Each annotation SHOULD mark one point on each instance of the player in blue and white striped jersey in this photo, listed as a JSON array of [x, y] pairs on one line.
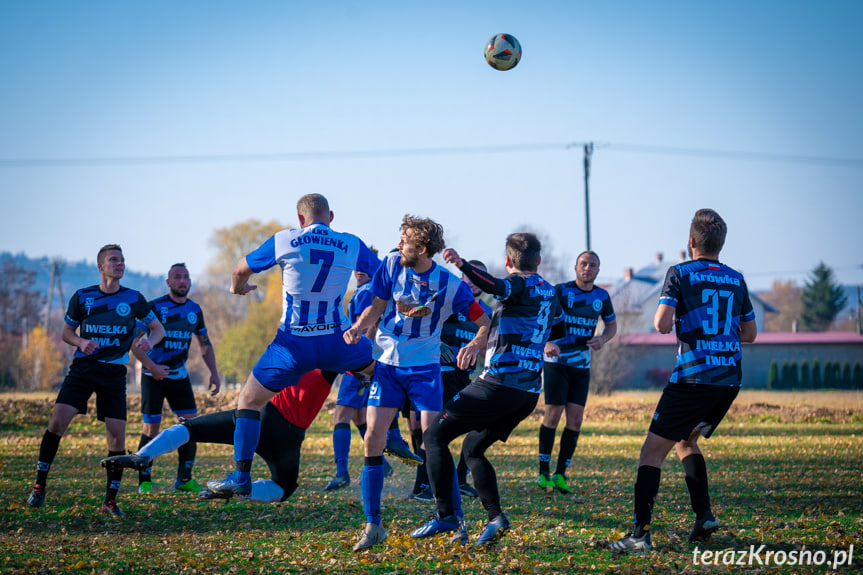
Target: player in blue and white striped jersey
[[708, 304], [413, 298], [317, 263]]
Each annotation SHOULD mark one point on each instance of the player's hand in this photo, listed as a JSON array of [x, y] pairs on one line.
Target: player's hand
[[595, 343], [243, 289], [551, 349], [466, 358], [447, 356], [451, 256], [88, 346], [215, 384], [159, 372], [352, 335], [143, 343]]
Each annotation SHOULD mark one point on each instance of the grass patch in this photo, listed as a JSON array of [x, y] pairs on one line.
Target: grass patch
[[785, 471]]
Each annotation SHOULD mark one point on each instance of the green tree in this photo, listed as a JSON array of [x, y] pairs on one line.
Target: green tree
[[822, 300], [793, 375], [785, 376], [805, 375], [244, 341], [846, 375], [817, 381], [830, 375], [773, 376], [240, 327], [858, 375]]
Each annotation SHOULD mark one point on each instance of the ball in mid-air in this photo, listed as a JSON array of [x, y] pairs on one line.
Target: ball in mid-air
[[502, 52]]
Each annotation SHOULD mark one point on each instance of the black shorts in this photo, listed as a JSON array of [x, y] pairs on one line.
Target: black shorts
[[453, 382], [488, 407], [564, 384], [279, 445], [683, 408], [106, 380], [178, 392]]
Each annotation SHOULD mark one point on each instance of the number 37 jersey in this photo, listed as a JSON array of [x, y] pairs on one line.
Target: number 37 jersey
[[317, 263], [710, 301]]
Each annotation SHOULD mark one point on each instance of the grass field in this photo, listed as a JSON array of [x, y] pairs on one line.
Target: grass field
[[786, 472]]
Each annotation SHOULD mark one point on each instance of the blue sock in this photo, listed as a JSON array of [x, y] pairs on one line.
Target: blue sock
[[341, 447], [246, 435], [372, 487]]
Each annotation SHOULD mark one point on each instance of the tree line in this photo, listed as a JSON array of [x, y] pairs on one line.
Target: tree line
[[832, 375]]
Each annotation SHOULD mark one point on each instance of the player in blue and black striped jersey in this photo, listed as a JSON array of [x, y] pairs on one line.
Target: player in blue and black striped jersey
[[165, 376], [708, 305], [413, 298], [101, 324], [506, 392], [458, 330], [566, 377], [317, 262]]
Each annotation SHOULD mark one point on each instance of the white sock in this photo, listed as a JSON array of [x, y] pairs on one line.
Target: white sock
[[167, 441], [265, 491]]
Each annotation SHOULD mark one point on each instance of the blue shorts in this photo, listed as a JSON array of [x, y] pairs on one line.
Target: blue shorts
[[350, 394], [422, 384], [288, 357]]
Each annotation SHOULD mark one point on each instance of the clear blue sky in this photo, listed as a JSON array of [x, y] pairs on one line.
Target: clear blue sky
[[217, 102]]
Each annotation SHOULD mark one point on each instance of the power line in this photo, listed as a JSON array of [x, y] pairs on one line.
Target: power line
[[737, 155], [106, 161]]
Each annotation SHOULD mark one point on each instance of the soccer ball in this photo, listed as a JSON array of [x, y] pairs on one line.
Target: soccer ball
[[502, 52]]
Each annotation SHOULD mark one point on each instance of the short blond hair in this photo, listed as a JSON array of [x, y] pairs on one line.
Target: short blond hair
[[314, 207]]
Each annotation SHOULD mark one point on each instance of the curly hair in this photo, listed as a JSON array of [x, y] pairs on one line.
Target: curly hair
[[425, 232]]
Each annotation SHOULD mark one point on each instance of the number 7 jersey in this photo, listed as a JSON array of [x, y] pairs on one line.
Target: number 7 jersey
[[317, 263], [710, 300]]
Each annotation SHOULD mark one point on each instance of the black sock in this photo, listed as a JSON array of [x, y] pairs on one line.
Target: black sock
[[461, 471], [696, 481], [568, 441], [546, 444], [416, 440], [186, 460], [646, 488], [361, 429], [112, 487], [422, 478], [47, 453], [145, 475]]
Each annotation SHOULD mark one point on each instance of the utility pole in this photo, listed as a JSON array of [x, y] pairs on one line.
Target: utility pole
[[588, 152], [55, 280]]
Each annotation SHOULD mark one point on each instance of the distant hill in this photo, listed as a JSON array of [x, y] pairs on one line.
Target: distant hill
[[74, 275]]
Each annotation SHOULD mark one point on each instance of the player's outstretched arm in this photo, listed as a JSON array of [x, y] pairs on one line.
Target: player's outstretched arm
[[240, 277], [366, 320]]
